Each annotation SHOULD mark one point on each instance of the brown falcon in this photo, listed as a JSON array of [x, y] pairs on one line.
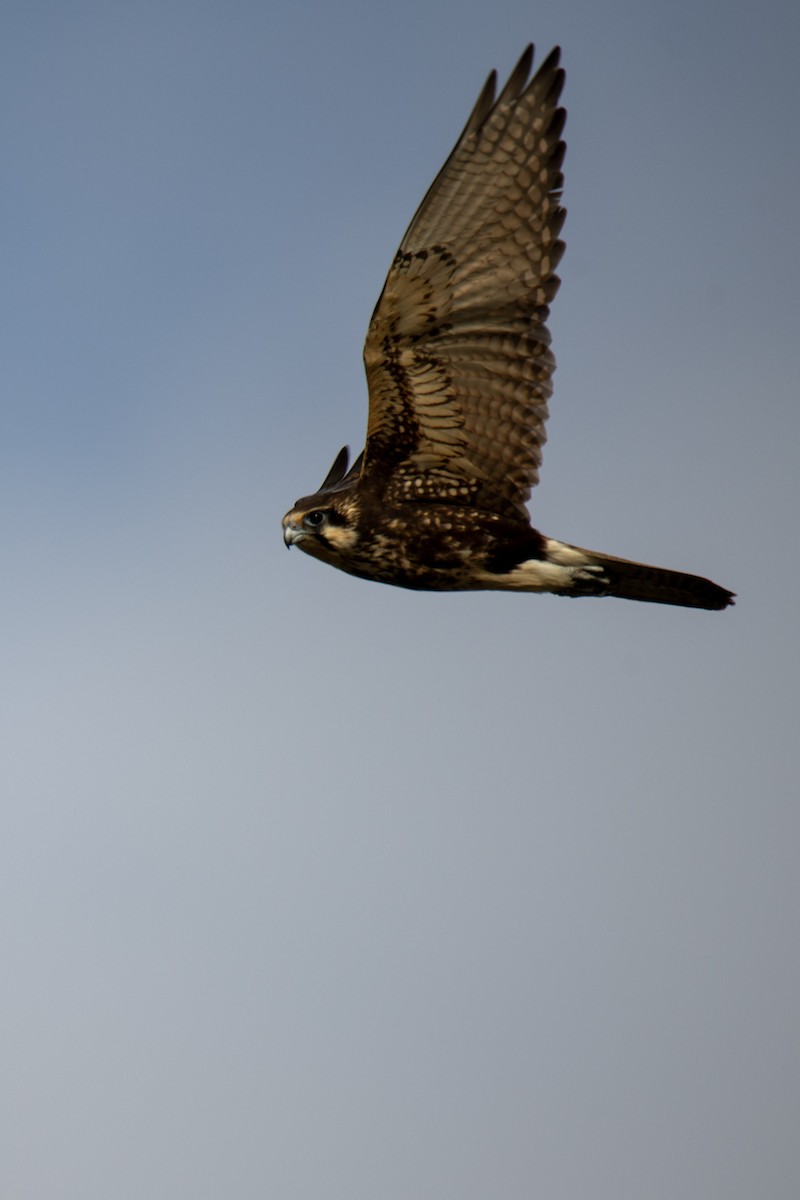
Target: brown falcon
[[459, 370]]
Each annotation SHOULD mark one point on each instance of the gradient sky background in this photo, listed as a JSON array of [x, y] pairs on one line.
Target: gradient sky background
[[315, 888]]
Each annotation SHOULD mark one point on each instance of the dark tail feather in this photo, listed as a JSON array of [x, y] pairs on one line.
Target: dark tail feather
[[637, 581]]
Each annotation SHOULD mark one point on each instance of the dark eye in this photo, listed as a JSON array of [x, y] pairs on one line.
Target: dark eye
[[314, 519]]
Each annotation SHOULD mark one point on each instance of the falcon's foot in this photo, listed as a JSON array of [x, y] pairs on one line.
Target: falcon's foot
[[586, 581]]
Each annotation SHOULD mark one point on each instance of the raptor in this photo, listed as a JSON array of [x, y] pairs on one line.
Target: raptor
[[459, 371]]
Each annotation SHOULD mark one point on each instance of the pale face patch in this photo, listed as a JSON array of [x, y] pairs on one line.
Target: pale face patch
[[325, 539], [343, 538]]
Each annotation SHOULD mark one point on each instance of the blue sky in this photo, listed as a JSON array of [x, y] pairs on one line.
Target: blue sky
[[311, 887]]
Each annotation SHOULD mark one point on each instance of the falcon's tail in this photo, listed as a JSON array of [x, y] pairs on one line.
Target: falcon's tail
[[637, 581]]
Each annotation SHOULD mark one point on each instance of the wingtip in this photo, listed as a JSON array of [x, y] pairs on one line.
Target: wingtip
[[338, 469]]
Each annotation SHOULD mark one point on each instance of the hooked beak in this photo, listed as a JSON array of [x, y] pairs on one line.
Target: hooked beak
[[291, 533]]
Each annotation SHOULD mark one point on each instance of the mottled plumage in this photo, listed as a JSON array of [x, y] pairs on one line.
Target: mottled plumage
[[459, 370]]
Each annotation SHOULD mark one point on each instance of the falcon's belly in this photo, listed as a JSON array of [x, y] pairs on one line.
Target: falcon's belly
[[440, 548]]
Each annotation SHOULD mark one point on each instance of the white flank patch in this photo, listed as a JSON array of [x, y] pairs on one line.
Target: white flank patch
[[536, 575], [531, 576], [566, 556]]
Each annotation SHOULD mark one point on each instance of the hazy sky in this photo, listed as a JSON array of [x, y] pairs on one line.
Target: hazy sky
[[315, 889]]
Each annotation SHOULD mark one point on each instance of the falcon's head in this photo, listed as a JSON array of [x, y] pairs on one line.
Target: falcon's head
[[324, 524]]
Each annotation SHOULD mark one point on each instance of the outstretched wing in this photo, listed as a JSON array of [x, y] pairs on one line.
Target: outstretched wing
[[457, 354]]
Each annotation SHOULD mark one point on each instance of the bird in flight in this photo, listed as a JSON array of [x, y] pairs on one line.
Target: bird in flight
[[459, 370]]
